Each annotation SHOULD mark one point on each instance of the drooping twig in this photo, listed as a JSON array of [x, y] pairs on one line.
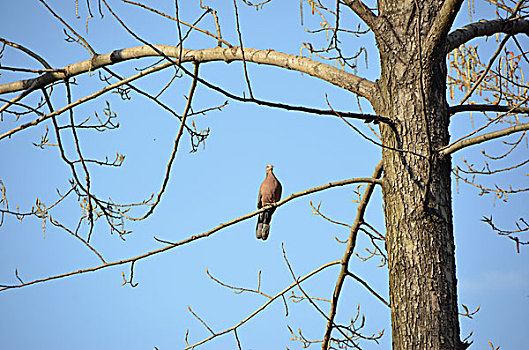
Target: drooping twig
[[242, 49], [175, 148], [362, 282], [83, 163]]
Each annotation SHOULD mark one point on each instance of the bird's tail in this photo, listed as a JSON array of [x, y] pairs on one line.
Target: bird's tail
[[263, 224]]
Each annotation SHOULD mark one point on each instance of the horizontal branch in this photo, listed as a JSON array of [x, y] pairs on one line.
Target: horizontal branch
[[482, 138], [199, 236], [487, 108], [335, 76], [486, 28]]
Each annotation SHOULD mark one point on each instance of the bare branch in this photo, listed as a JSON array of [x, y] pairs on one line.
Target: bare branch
[[242, 49], [239, 290], [484, 73], [487, 108], [175, 148], [442, 24], [482, 138], [348, 252], [362, 282], [299, 280], [369, 18], [84, 99], [201, 321], [338, 77], [194, 27], [307, 296], [486, 28], [27, 51], [171, 245]]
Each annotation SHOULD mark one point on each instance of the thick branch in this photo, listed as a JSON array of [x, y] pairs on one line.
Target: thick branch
[[442, 24], [365, 14], [482, 138], [199, 236], [335, 76], [486, 28]]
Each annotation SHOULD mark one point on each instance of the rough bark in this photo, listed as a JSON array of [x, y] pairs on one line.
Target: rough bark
[[416, 189], [411, 92]]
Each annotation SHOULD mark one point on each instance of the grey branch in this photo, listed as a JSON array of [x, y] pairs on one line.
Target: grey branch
[[335, 76], [358, 7], [486, 28], [442, 24]]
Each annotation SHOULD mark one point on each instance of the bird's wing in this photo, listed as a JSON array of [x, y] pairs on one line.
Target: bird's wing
[[277, 191]]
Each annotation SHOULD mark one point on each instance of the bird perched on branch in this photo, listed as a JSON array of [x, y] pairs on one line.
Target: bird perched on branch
[[269, 193]]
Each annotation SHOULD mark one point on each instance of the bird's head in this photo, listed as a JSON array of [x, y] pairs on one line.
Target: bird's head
[[269, 168]]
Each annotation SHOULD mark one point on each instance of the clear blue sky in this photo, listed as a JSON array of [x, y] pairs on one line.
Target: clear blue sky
[[214, 185]]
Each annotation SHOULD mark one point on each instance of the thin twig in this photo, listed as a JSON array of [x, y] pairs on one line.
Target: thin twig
[[202, 321], [310, 274], [242, 50], [308, 297], [175, 148], [362, 282]]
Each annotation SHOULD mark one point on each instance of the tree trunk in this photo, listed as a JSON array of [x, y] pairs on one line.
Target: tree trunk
[[417, 193]]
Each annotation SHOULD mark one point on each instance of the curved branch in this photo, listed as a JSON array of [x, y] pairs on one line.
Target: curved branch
[[482, 138], [175, 149], [486, 28], [171, 245], [365, 14], [335, 76], [27, 51]]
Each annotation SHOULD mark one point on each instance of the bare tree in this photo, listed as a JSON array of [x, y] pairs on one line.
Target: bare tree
[[428, 75]]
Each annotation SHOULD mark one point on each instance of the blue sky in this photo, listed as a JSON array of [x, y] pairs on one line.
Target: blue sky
[[214, 185]]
